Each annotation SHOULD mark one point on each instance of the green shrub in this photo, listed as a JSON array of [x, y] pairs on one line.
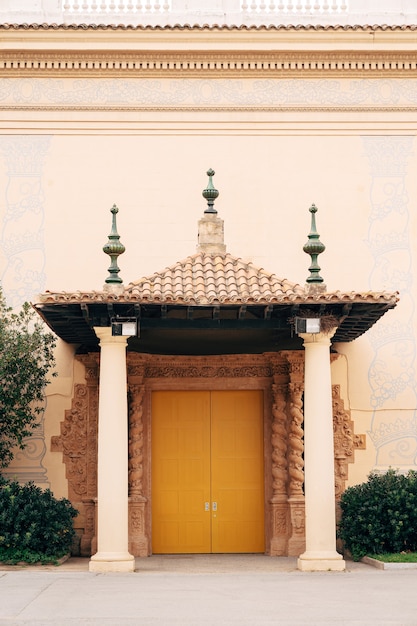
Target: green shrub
[[380, 516], [34, 526], [26, 357]]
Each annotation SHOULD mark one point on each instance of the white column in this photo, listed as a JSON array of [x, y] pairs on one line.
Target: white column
[[320, 553], [112, 467]]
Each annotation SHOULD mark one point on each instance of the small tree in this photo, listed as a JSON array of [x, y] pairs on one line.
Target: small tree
[[26, 356]]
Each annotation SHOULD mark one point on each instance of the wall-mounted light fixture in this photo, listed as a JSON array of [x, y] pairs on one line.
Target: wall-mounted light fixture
[[307, 325], [124, 327]]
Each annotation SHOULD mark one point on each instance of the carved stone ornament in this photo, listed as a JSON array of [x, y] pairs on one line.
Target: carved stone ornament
[[73, 443], [136, 393], [243, 366], [279, 442], [295, 440], [345, 441]]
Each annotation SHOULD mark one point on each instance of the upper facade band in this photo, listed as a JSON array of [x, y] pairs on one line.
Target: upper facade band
[[210, 12]]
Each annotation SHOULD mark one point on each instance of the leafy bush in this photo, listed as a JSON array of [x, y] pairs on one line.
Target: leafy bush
[[380, 516], [34, 525]]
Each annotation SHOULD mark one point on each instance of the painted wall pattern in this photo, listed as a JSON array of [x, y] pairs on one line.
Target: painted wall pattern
[[23, 248], [392, 372], [22, 224], [98, 93]]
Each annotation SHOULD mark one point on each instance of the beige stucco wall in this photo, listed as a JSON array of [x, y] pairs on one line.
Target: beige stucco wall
[[267, 184], [70, 147]]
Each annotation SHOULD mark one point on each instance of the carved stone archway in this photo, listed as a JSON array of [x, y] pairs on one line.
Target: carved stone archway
[[280, 375]]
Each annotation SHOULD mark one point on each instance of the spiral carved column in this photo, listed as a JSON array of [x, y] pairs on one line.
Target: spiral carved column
[[138, 542], [279, 504], [296, 448], [296, 541]]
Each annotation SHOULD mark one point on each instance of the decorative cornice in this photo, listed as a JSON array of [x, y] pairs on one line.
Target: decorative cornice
[[81, 50], [199, 64]]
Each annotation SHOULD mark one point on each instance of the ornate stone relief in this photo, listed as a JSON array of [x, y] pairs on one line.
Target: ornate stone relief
[[295, 439], [296, 539], [72, 442], [296, 419], [78, 443], [279, 442], [280, 514], [249, 366], [138, 542], [345, 441], [136, 393]]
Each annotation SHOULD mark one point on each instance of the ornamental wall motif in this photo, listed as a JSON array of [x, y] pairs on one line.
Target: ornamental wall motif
[[218, 93]]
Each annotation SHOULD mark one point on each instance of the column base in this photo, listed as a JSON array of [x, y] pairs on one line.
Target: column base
[[321, 562], [112, 562]]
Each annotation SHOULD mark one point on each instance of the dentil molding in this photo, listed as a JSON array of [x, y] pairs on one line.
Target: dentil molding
[[198, 64]]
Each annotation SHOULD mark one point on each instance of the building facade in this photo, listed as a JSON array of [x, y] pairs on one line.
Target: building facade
[[287, 115]]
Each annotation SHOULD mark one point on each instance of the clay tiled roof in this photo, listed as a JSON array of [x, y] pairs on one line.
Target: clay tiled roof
[[207, 279], [252, 27], [225, 289]]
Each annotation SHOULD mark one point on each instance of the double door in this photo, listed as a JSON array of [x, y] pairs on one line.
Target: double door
[[207, 472]]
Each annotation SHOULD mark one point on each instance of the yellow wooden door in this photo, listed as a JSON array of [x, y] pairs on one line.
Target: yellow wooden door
[[181, 472], [237, 475], [207, 472]]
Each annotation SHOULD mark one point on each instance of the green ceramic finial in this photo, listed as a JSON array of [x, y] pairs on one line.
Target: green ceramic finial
[[210, 193], [114, 248], [314, 247]]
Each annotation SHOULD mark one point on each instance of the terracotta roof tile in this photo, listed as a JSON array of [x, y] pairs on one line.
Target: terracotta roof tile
[[207, 279], [215, 278], [187, 27]]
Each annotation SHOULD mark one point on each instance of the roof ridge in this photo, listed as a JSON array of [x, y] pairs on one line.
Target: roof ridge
[[290, 27]]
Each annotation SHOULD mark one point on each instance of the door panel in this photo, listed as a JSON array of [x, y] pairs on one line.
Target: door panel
[[207, 453], [237, 471], [180, 472]]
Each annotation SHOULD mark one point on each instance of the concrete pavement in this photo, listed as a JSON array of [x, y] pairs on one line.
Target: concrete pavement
[[194, 590]]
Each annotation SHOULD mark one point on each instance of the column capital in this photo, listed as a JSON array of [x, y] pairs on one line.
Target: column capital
[[105, 336], [323, 338]]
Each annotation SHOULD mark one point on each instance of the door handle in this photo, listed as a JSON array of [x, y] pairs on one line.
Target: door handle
[[214, 506], [207, 506]]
